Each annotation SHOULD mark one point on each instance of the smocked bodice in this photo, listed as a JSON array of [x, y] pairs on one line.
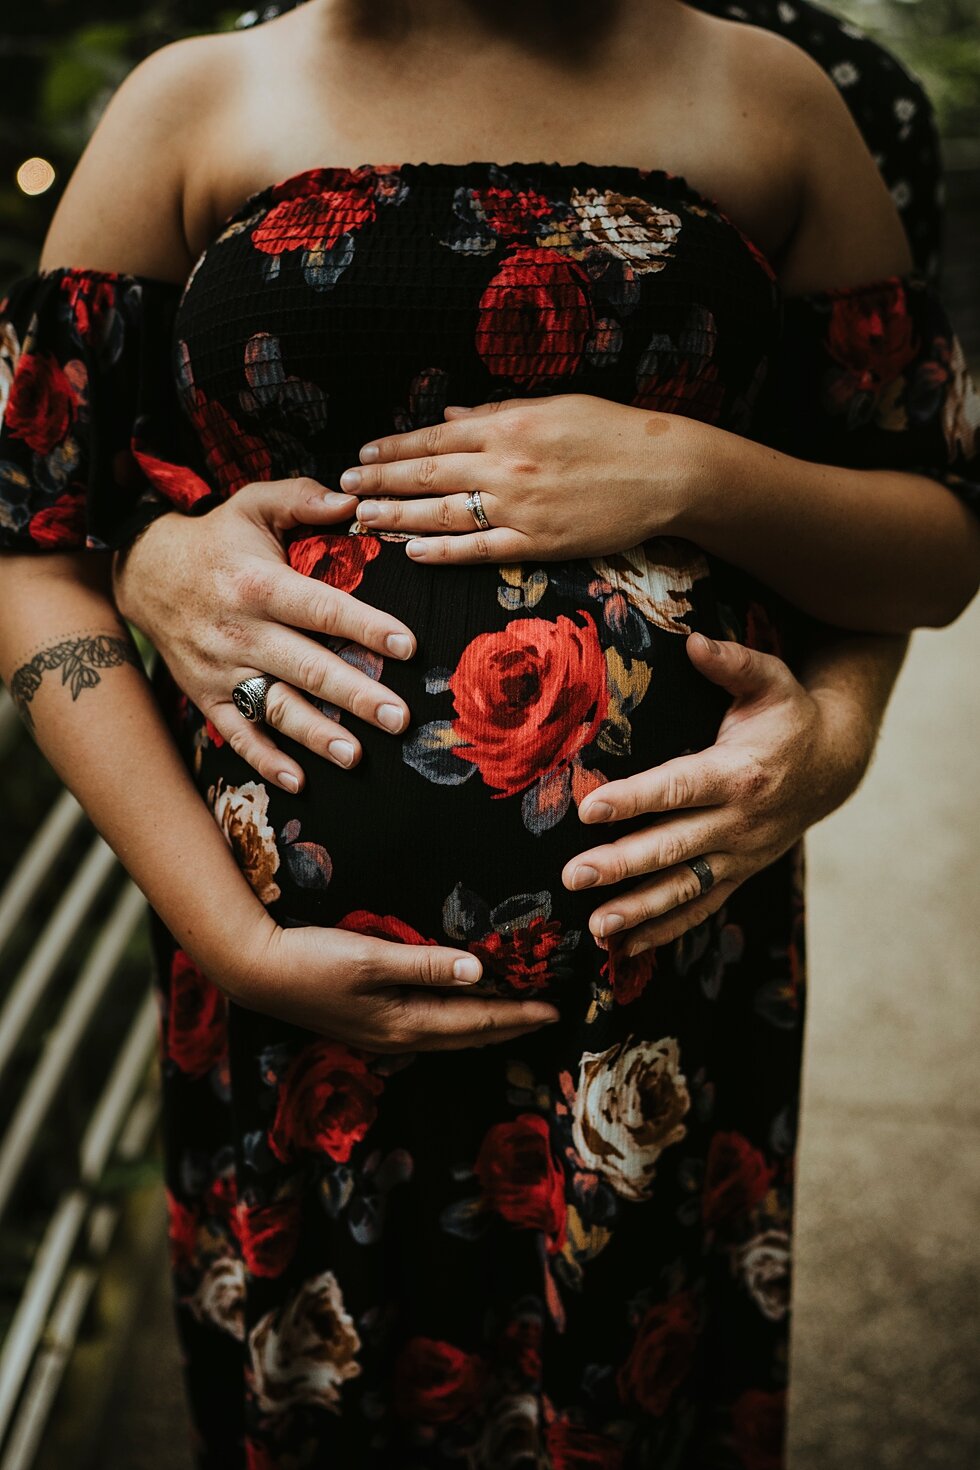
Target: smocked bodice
[[342, 303]]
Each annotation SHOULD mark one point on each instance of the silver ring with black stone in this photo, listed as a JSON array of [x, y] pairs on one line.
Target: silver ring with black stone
[[250, 696]]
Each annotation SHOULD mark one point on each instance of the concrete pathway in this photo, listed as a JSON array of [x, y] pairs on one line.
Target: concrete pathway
[[885, 1338]]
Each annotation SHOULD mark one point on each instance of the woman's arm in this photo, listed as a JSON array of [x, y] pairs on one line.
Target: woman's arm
[[880, 550], [78, 681], [76, 677]]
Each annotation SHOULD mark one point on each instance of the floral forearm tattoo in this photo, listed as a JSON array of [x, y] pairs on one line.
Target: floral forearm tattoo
[[79, 660]]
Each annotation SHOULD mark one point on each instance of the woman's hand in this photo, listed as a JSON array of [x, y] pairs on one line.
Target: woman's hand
[[784, 758], [218, 599], [564, 476], [372, 993]]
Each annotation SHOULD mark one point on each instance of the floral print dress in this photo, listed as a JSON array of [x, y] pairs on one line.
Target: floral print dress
[[573, 1250]]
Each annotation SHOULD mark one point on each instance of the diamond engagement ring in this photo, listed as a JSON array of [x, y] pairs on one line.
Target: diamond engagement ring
[[475, 504], [249, 696], [701, 868]]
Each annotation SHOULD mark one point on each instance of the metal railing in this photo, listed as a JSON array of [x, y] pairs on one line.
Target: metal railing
[[68, 968]]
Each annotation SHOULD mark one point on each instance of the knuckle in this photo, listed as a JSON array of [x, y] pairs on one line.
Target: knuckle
[[432, 438], [482, 547], [445, 515], [275, 706], [306, 485], [753, 777], [240, 743], [678, 790], [671, 852], [423, 969], [742, 658], [253, 585], [426, 472], [310, 673], [311, 735], [515, 424]]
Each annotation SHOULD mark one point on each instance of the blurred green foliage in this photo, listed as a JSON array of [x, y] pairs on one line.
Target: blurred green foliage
[[940, 40]]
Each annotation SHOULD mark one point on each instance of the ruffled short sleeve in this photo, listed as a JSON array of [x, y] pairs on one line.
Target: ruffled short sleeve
[[874, 377], [89, 418]]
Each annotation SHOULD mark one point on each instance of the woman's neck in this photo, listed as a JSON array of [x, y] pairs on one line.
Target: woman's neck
[[571, 29]]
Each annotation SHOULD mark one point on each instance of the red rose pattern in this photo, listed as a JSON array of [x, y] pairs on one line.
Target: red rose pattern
[[181, 1232], [662, 1354], [759, 1429], [268, 1234], [197, 1036], [535, 317], [520, 957], [520, 1179], [737, 1177], [317, 221], [336, 560], [43, 404], [60, 524], [435, 1382], [529, 699], [872, 336], [327, 1102]]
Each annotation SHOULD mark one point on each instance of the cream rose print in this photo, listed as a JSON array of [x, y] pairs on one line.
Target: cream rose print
[[242, 814], [304, 1352], [634, 229], [219, 1298], [629, 1106]]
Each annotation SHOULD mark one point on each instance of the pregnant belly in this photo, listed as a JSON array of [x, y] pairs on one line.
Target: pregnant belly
[[530, 687]]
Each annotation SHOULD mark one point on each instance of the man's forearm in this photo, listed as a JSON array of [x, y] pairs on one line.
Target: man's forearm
[[874, 550], [77, 679], [851, 677]]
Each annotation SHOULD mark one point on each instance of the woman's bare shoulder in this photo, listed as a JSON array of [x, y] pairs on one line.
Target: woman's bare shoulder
[[124, 206], [847, 228]]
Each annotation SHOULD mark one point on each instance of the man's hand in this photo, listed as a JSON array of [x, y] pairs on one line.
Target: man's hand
[[784, 758], [217, 597]]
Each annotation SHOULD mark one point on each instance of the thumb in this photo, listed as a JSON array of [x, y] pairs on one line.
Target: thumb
[[744, 672], [281, 505]]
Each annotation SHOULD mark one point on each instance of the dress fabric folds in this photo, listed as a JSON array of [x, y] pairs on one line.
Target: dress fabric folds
[[573, 1250]]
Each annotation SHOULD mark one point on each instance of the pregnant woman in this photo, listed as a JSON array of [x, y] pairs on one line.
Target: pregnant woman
[[466, 1164]]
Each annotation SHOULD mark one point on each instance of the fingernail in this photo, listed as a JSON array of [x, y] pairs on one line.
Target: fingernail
[[639, 946], [350, 479], [467, 970], [415, 547], [391, 717], [369, 453], [611, 924], [333, 497], [584, 877], [597, 811], [457, 408], [342, 752], [368, 510], [399, 645], [287, 779], [713, 647]]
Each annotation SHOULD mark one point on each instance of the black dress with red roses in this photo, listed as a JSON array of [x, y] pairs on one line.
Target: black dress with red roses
[[572, 1250]]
